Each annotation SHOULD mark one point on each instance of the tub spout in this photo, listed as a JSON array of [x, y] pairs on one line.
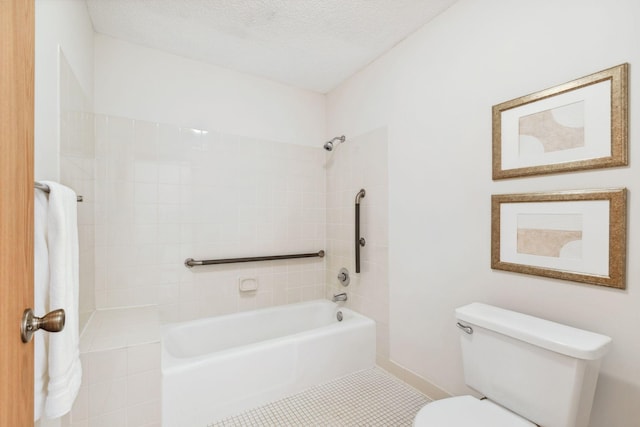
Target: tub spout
[[340, 297]]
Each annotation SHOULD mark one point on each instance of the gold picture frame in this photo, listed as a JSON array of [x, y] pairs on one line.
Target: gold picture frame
[[570, 235], [578, 125]]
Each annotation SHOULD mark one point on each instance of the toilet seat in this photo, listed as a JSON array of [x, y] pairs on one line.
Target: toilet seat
[[467, 411]]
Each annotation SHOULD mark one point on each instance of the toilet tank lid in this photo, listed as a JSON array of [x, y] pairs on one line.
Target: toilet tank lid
[[552, 336]]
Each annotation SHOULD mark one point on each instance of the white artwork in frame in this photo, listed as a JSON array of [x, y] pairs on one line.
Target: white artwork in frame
[[576, 235], [578, 125], [553, 130], [566, 236]]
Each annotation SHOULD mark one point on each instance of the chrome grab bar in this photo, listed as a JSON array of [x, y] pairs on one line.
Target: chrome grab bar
[[359, 240], [190, 262]]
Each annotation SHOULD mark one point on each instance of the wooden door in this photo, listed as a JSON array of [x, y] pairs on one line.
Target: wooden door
[[16, 208]]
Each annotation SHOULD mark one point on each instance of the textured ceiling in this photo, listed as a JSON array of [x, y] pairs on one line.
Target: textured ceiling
[[312, 44]]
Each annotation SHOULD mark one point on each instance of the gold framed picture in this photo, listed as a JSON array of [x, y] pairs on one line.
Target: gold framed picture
[[577, 125], [569, 235]]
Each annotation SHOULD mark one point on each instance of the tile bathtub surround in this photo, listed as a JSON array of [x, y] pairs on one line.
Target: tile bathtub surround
[[166, 193], [371, 397], [77, 171], [120, 328], [361, 162], [121, 387], [120, 355]]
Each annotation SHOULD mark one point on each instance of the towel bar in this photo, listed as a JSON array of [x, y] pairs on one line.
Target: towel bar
[[46, 189]]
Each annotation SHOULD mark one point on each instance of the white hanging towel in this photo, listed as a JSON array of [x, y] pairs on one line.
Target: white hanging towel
[[41, 299], [65, 371]]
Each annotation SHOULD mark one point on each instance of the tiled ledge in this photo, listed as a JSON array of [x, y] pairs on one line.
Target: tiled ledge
[[120, 328], [120, 355]]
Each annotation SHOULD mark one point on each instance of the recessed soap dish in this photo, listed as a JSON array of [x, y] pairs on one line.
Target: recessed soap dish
[[247, 284]]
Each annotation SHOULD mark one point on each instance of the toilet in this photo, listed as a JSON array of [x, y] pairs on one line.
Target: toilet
[[531, 372]]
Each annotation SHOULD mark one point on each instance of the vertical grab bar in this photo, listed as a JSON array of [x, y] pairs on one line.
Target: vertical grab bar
[[359, 240]]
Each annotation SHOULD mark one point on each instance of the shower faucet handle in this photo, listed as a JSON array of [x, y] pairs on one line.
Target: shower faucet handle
[[343, 277]]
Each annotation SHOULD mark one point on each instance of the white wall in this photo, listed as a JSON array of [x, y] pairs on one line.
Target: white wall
[[63, 24], [434, 91], [146, 84]]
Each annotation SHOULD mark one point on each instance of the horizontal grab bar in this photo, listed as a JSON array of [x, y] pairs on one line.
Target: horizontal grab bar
[[190, 262]]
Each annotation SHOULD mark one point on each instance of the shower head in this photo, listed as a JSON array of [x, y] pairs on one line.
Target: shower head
[[335, 141]]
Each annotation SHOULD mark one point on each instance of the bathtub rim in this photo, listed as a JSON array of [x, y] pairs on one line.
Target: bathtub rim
[[173, 364]]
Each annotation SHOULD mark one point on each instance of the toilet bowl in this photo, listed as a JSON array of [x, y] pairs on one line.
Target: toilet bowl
[[467, 411], [532, 372]]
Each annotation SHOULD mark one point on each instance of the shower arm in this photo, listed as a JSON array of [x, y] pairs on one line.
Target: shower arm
[[329, 145], [360, 241]]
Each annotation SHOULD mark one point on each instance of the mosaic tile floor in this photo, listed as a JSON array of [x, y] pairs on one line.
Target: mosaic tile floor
[[366, 398]]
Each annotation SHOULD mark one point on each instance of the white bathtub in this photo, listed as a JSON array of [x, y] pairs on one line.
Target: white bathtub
[[216, 367]]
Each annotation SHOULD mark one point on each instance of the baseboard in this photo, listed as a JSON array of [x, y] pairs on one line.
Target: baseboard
[[430, 390]]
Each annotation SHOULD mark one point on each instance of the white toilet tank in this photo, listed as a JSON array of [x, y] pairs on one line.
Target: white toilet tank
[[541, 370]]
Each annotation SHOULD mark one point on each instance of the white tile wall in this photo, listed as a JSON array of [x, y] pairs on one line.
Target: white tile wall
[[120, 355], [77, 171], [163, 194], [121, 328], [361, 162], [167, 193]]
